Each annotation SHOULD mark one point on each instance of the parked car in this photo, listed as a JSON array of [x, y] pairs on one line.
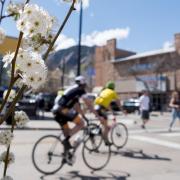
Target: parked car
[[49, 100], [28, 104], [114, 106], [131, 105]]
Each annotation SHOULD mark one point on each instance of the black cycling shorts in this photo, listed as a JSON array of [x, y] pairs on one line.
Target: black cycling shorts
[[63, 118]]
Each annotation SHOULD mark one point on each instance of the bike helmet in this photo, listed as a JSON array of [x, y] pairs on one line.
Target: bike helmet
[[80, 80], [110, 85]]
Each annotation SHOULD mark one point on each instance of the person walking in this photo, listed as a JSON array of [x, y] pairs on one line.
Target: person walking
[[144, 107], [175, 105]]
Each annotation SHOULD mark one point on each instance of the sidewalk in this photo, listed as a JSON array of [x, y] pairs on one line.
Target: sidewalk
[[35, 123]]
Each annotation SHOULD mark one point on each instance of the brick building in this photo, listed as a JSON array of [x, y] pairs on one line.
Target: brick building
[[157, 71], [9, 45]]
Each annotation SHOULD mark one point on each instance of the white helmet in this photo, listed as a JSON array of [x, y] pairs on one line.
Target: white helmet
[[80, 80]]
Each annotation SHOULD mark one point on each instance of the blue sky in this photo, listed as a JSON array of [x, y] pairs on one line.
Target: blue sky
[[139, 25]]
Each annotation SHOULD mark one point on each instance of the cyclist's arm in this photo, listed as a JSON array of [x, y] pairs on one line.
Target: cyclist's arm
[[90, 106]]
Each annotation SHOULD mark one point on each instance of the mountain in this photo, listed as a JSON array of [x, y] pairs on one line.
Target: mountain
[[70, 57]]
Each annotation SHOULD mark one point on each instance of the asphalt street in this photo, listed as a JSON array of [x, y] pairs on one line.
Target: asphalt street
[[150, 154]]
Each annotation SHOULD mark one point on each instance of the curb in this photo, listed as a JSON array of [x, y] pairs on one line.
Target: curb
[[32, 128]]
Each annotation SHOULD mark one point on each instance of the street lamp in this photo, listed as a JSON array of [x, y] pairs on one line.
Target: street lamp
[[79, 44]]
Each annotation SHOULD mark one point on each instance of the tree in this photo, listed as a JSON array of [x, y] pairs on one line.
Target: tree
[[27, 64]]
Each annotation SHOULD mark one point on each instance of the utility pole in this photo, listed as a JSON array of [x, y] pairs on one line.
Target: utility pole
[[79, 44]]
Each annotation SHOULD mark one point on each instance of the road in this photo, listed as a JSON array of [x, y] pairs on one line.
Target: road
[[150, 154]]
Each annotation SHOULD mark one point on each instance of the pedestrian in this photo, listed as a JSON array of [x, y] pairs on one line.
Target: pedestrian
[[175, 105], [144, 107]]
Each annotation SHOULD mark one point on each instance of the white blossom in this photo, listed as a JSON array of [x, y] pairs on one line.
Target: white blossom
[[14, 8], [35, 80], [12, 95], [6, 137], [2, 35], [7, 178], [19, 83], [32, 67], [34, 20], [21, 118], [34, 44], [7, 59], [11, 157]]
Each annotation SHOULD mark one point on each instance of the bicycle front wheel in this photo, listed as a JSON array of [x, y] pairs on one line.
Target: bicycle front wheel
[[94, 137], [96, 157], [47, 154], [119, 135]]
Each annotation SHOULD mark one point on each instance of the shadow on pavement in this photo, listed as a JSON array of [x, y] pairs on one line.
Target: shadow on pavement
[[139, 154], [98, 175]]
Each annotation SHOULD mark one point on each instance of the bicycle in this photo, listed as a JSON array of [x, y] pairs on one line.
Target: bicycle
[[49, 156], [118, 134]]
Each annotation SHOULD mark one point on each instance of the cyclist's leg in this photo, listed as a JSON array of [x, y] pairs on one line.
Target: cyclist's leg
[[62, 120], [79, 124], [102, 113], [105, 131], [71, 116]]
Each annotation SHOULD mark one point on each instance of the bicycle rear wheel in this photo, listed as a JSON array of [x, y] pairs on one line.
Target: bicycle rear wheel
[[47, 154], [95, 157], [119, 135]]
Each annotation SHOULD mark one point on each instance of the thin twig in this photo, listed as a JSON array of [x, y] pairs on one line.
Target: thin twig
[[13, 67], [13, 104], [6, 161], [8, 93], [13, 70], [8, 149], [2, 8], [5, 16]]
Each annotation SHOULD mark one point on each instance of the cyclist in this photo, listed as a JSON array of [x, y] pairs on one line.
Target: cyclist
[[69, 109], [102, 105]]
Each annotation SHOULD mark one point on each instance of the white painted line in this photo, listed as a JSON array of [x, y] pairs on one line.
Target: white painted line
[[171, 134], [154, 130], [157, 142], [127, 121]]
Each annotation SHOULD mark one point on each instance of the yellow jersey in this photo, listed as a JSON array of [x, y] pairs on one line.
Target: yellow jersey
[[105, 97]]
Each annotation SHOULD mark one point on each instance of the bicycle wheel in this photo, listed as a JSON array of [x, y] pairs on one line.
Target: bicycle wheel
[[96, 158], [119, 135], [93, 132], [47, 154]]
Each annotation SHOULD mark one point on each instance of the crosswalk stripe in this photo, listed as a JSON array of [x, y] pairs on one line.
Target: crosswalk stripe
[[156, 141], [154, 130], [171, 134]]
